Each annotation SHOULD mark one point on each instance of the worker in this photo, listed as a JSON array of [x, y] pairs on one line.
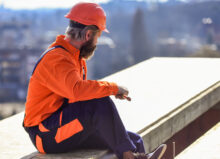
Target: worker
[[64, 110]]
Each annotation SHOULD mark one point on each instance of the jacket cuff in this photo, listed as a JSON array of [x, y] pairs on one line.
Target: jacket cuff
[[113, 88]]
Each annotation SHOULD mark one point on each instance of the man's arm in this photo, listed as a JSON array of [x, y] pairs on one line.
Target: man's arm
[[63, 78]]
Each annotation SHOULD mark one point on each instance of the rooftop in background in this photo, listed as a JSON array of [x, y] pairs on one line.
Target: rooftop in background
[[206, 147]]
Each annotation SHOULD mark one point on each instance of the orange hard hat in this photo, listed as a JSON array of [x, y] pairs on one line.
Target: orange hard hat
[[88, 14]]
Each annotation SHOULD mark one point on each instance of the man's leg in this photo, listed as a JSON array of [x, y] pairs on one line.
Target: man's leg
[[106, 122], [100, 144], [137, 140], [112, 131], [98, 116], [95, 116]]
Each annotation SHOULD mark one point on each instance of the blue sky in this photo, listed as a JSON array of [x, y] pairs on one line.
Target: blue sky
[[32, 4]]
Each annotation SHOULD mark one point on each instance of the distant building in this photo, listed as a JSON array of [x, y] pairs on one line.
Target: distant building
[[15, 69]]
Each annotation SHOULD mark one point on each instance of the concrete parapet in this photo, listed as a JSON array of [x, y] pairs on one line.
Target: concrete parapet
[[167, 126], [167, 94], [15, 143]]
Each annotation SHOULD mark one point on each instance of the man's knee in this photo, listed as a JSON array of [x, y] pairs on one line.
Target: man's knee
[[106, 103], [103, 107]]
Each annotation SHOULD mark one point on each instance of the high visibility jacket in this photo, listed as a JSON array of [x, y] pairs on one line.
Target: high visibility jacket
[[59, 75]]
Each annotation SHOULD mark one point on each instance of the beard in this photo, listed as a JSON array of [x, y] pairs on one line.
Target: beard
[[87, 50]]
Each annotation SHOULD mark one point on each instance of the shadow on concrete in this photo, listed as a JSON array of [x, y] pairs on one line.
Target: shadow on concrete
[[79, 154]]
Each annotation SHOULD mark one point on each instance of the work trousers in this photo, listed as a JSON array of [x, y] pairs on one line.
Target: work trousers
[[85, 124]]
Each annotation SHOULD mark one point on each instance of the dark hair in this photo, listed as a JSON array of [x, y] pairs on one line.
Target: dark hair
[[77, 31]]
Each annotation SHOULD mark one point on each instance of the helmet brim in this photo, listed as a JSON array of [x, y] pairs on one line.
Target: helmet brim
[[106, 30]]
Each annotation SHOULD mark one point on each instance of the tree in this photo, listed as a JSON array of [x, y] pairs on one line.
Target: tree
[[141, 49]]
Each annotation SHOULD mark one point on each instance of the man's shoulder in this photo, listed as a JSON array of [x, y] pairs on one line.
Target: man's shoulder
[[58, 56], [58, 53]]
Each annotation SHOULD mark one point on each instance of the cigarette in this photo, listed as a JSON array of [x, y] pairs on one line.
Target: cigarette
[[128, 98]]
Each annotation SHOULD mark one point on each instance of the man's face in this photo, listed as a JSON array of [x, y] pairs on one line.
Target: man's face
[[88, 48]]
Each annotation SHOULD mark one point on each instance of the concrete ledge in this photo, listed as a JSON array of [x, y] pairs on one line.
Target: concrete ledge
[[167, 94], [206, 147], [16, 144], [167, 126]]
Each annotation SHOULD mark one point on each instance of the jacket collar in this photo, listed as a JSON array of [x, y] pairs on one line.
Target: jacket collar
[[70, 48]]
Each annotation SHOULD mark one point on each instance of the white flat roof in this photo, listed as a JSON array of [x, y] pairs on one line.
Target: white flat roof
[[157, 87], [160, 85]]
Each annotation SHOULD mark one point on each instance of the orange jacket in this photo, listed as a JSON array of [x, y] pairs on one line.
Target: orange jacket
[[59, 75]]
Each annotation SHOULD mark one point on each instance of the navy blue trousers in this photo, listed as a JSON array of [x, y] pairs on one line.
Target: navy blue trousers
[[102, 128]]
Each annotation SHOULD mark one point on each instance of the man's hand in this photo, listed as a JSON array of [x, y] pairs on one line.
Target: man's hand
[[122, 93]]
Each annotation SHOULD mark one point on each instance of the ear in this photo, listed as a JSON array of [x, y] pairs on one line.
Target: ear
[[88, 35]]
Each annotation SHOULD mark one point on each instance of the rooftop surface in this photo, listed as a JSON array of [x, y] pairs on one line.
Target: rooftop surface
[[206, 147], [167, 94], [161, 85]]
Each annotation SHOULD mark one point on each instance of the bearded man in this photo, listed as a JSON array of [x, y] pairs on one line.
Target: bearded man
[[65, 111]]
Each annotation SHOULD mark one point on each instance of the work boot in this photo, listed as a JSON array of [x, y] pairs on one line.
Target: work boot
[[158, 153]]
